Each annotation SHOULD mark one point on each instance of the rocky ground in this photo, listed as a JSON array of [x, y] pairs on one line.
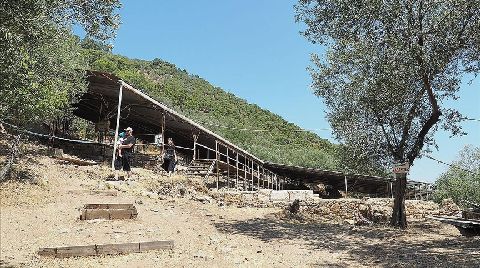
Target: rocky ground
[[41, 207]]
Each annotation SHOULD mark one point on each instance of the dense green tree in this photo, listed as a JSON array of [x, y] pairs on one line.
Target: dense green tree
[[41, 59], [388, 69], [462, 179], [89, 43]]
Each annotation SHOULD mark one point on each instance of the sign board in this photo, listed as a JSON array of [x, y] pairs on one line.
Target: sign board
[[401, 168]]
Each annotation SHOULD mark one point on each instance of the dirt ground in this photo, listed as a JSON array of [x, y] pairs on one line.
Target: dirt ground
[[45, 213]]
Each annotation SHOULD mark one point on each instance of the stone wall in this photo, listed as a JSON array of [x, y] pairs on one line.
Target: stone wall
[[265, 197], [378, 210], [286, 195]]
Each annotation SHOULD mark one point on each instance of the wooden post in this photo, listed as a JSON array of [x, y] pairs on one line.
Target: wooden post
[[245, 173], [228, 170], [251, 170], [236, 164], [276, 182], [273, 182], [195, 137], [217, 159], [391, 189], [258, 177], [263, 177], [163, 132], [346, 186], [120, 93]]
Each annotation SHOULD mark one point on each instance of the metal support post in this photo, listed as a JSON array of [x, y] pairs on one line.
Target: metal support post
[[120, 96]]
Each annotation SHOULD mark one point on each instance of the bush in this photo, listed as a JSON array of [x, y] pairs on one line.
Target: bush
[[462, 180]]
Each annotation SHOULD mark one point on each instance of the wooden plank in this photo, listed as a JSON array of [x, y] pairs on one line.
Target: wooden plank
[[109, 206], [108, 214], [164, 244], [92, 192], [65, 252], [118, 248], [105, 249], [47, 252], [83, 216], [92, 214], [458, 221], [117, 214]]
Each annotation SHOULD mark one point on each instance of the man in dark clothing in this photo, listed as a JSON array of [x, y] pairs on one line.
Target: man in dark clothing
[[127, 151], [169, 157]]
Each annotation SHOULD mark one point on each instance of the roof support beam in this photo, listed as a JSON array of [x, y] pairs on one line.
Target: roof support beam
[[118, 123]]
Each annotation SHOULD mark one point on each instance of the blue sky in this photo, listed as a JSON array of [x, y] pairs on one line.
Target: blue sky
[[254, 50]]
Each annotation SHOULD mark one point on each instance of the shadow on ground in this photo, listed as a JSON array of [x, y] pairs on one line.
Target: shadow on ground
[[420, 246]]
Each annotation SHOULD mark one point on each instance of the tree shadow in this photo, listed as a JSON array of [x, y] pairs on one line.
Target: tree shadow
[[369, 245]]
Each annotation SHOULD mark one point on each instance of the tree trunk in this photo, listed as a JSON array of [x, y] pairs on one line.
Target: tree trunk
[[399, 216], [14, 152]]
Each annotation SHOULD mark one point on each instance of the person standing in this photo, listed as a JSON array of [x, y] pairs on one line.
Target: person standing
[[169, 157], [126, 148]]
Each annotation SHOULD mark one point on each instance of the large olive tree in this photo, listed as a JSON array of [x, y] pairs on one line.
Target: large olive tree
[[388, 68]]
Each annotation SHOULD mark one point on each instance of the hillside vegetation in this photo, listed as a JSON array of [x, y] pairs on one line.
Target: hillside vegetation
[[221, 112]]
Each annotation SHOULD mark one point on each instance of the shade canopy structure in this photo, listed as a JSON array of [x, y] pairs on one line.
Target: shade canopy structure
[[144, 114], [350, 182], [373, 185], [149, 117]]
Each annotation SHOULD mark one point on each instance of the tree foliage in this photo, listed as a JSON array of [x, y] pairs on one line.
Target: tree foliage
[[41, 59], [389, 67], [462, 179]]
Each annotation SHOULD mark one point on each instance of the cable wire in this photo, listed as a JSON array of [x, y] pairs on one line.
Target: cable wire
[[451, 165]]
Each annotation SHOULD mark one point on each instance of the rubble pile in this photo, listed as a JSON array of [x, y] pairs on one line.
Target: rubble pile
[[183, 188], [242, 198], [449, 207]]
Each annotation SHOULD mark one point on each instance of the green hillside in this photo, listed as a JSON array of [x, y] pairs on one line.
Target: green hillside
[[196, 98]]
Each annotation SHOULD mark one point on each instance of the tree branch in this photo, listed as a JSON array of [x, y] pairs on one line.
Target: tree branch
[[432, 120], [389, 143], [408, 122]]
